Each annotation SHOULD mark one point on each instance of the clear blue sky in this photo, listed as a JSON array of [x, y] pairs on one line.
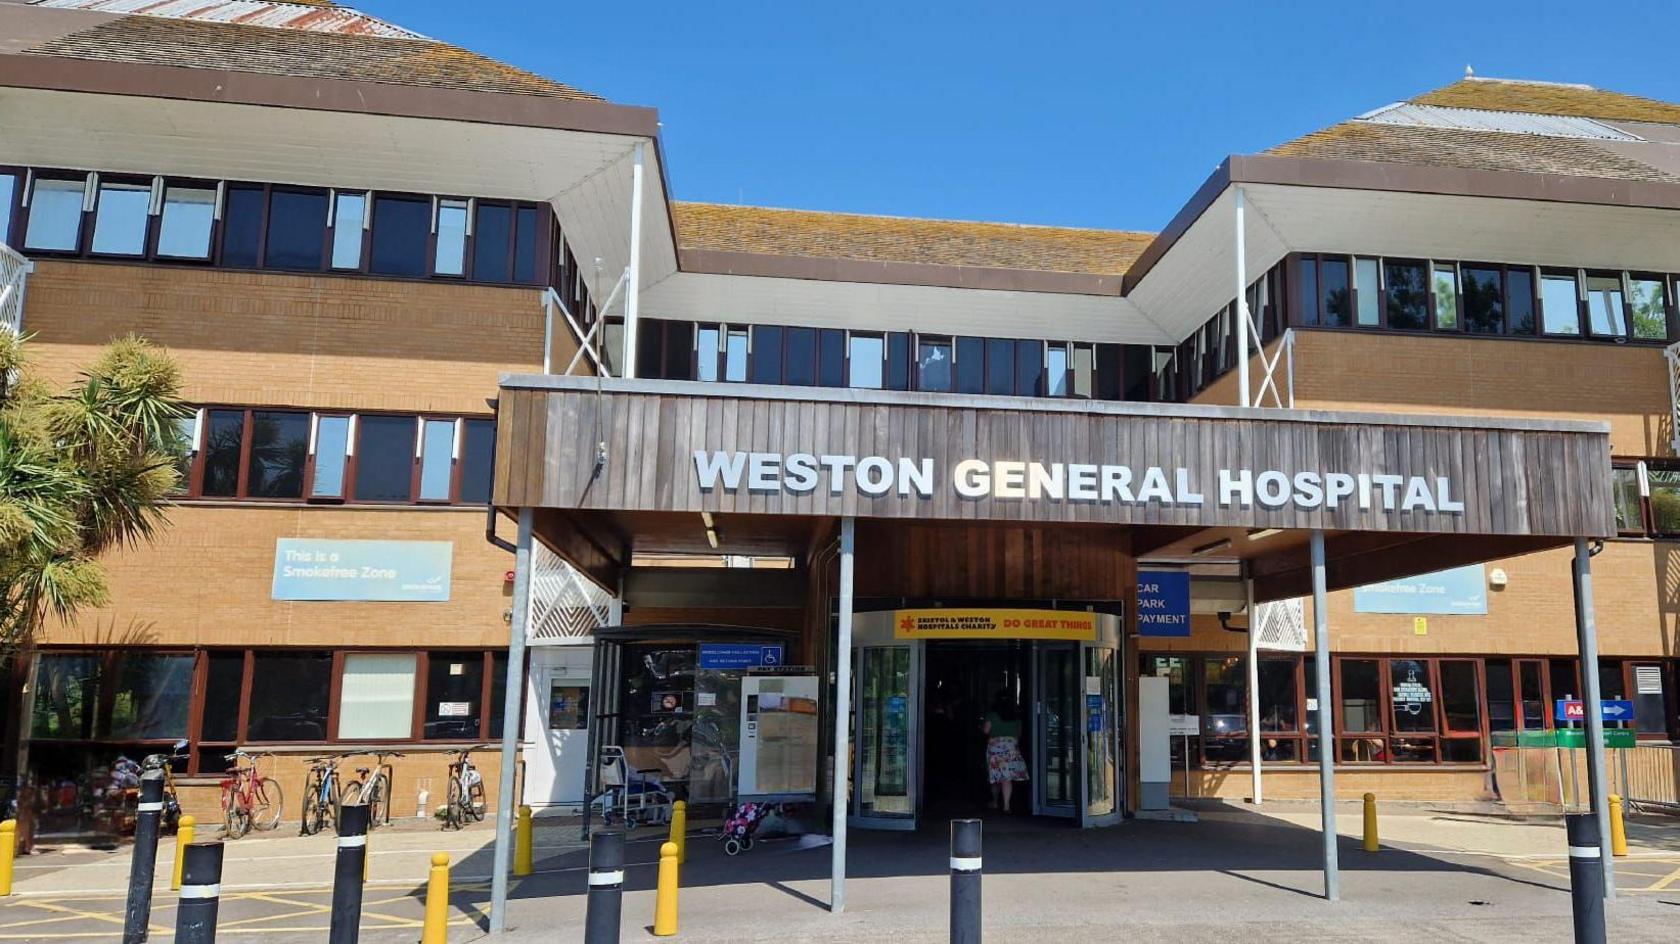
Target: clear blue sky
[[1080, 114]]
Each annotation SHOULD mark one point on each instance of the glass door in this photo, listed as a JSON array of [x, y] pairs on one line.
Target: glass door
[[886, 736], [1058, 729], [1103, 759]]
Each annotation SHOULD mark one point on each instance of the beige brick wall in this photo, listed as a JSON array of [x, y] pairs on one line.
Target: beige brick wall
[[1436, 784], [295, 340]]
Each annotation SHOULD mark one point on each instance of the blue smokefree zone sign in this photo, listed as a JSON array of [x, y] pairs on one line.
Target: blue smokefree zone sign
[[385, 571]]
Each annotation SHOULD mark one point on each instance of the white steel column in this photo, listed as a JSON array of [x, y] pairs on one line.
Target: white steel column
[[633, 280], [519, 626], [1253, 691], [1326, 740], [842, 717], [1242, 314], [1586, 641]]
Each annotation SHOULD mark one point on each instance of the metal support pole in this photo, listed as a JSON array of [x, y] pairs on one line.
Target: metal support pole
[[548, 333], [201, 894], [510, 721], [1586, 879], [842, 714], [1586, 635], [137, 917], [1253, 691], [1242, 309], [633, 285], [965, 881], [1326, 740], [347, 874], [605, 903]]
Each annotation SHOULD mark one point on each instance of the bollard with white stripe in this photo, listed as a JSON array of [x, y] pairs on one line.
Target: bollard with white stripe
[[347, 874], [965, 881], [201, 894], [1586, 877], [606, 888], [137, 917]]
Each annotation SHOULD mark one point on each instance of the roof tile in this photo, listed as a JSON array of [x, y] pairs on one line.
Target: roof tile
[[1547, 98]]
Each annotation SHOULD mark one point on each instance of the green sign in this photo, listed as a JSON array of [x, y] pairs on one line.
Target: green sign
[[1570, 738]]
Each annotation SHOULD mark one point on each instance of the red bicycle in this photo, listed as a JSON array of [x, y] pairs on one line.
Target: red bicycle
[[249, 800]]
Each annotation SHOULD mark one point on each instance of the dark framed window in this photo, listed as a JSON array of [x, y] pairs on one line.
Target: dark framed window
[[934, 368], [478, 439], [187, 226], [1484, 299], [8, 206], [1406, 294], [1648, 307], [279, 454], [831, 358], [290, 696], [525, 231], [1336, 310], [296, 235], [1000, 366], [385, 466], [1560, 304], [969, 359], [401, 235], [764, 361], [801, 356], [1519, 299], [866, 361], [243, 211], [121, 217], [1606, 305], [56, 205], [1306, 290], [898, 360]]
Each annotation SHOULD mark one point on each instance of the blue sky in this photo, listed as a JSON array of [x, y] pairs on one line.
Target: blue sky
[[1079, 114]]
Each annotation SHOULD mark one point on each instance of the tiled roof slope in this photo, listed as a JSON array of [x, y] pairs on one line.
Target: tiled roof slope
[[1546, 98], [273, 51], [814, 234]]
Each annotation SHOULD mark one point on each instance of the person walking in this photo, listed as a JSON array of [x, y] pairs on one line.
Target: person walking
[[1004, 764]]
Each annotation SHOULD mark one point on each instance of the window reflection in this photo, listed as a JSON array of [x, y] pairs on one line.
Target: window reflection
[[55, 215], [1484, 302], [868, 355], [933, 364], [1445, 283], [1604, 306], [279, 451], [1406, 295], [188, 219], [349, 222], [120, 219], [1650, 312], [450, 256], [1559, 306]]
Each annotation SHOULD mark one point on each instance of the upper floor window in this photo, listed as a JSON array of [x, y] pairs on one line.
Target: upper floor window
[[120, 214], [1605, 314], [1407, 295], [1367, 291], [1484, 300], [296, 234], [1444, 281], [867, 360], [349, 226], [55, 209], [1560, 307], [400, 234], [242, 226], [451, 229], [189, 218], [1648, 308], [933, 364], [8, 197]]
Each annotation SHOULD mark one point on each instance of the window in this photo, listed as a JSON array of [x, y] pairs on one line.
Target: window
[[1461, 715], [152, 696], [400, 234], [55, 214], [801, 356], [454, 696], [1605, 317], [242, 227], [478, 439], [66, 695], [1665, 500], [376, 696], [1444, 279], [1519, 300], [1279, 710], [1560, 310], [1501, 697], [766, 361], [289, 692], [332, 456], [384, 458], [1646, 300], [8, 199], [279, 453], [224, 441], [969, 359], [706, 349], [1056, 370], [1406, 296], [1224, 720], [437, 459], [1484, 301], [898, 360], [735, 356], [1000, 366], [492, 242], [1624, 491], [831, 358], [349, 225], [868, 357], [189, 216], [933, 364], [1306, 291], [1649, 707], [1361, 704], [120, 218], [1337, 309], [1367, 290], [1029, 368], [525, 245], [223, 683], [1084, 371], [450, 255], [184, 446], [297, 227]]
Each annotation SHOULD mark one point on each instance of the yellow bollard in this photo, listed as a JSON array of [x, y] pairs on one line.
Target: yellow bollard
[[1618, 829], [8, 850], [679, 830], [1371, 822], [184, 834], [665, 905], [522, 843], [436, 928], [367, 852]]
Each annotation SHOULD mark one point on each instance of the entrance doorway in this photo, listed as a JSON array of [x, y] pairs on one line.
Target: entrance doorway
[[967, 682]]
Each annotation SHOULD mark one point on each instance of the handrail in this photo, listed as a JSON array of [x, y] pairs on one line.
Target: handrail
[[14, 275], [1672, 355]]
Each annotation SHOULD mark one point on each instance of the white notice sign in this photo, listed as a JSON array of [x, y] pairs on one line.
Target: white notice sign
[[454, 709]]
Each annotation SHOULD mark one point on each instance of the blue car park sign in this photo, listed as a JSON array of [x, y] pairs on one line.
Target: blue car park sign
[[1163, 603], [1573, 709], [385, 571], [741, 655]]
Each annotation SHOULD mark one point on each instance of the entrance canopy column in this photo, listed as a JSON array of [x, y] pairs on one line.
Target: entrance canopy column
[[1326, 729], [842, 715], [1586, 636]]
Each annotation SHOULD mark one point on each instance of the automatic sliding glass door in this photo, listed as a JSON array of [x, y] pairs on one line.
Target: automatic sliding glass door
[[1058, 734], [886, 736], [1102, 736]]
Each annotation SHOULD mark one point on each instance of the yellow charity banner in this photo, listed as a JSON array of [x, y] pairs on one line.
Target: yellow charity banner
[[994, 624]]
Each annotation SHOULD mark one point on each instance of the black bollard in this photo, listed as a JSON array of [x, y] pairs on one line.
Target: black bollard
[[606, 888], [137, 917], [965, 881], [347, 874], [201, 894], [1586, 877]]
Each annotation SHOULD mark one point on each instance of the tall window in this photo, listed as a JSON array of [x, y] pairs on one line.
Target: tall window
[[1084, 371], [332, 456], [400, 234], [1029, 368], [242, 226], [1306, 290], [450, 254], [1624, 491], [224, 440], [1406, 295], [1337, 310], [831, 358], [189, 217], [297, 230], [898, 360], [765, 362], [477, 443], [735, 355], [1560, 311], [55, 214], [289, 696], [1224, 723], [867, 357], [1000, 366], [492, 242], [1647, 303], [706, 353], [384, 458], [1367, 290], [1484, 300], [437, 459], [120, 218], [1279, 710], [1056, 370], [8, 198], [1519, 299], [279, 454], [1444, 280], [933, 364], [525, 245], [801, 354], [969, 360], [349, 226], [1605, 316]]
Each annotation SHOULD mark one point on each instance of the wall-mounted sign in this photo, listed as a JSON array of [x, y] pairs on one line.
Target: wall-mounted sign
[[1574, 709], [454, 709], [391, 571], [1412, 696], [994, 624], [1163, 603], [1460, 590], [740, 655], [1184, 725]]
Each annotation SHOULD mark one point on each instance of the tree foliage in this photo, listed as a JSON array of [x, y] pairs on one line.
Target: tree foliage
[[82, 471]]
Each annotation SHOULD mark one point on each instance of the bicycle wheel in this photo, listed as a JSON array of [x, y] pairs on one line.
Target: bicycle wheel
[[266, 803], [455, 813], [475, 801], [238, 821], [377, 801], [313, 815]]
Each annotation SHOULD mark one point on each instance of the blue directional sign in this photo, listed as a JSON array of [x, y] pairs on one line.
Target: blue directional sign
[[1573, 709], [740, 655]]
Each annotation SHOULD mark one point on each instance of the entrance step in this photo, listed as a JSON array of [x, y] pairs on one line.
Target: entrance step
[[1174, 814]]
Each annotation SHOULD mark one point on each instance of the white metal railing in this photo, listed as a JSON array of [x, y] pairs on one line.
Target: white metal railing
[[14, 276], [566, 607], [1552, 780], [1283, 393], [1280, 625], [1672, 355]]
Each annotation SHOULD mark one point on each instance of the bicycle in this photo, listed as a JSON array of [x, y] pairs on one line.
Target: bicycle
[[466, 789], [322, 798], [249, 800], [171, 820], [373, 788]]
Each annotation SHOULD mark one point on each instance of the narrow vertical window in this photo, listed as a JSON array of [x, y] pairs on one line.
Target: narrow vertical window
[[1000, 366], [898, 360], [766, 359], [492, 242], [55, 215], [450, 256], [120, 219], [525, 245], [1337, 309], [1084, 371], [224, 440], [478, 439], [1056, 370], [349, 224], [970, 363], [242, 227], [1306, 292], [1029, 368], [1648, 303], [933, 364], [831, 358], [735, 356], [1605, 316], [384, 458], [1368, 289], [1560, 309], [706, 345], [189, 216], [801, 356], [1484, 300], [1444, 282], [1519, 299], [332, 456], [8, 199], [184, 448], [437, 459], [868, 356]]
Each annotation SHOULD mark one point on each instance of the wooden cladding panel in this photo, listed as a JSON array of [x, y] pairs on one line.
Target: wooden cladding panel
[[1511, 480], [998, 561]]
